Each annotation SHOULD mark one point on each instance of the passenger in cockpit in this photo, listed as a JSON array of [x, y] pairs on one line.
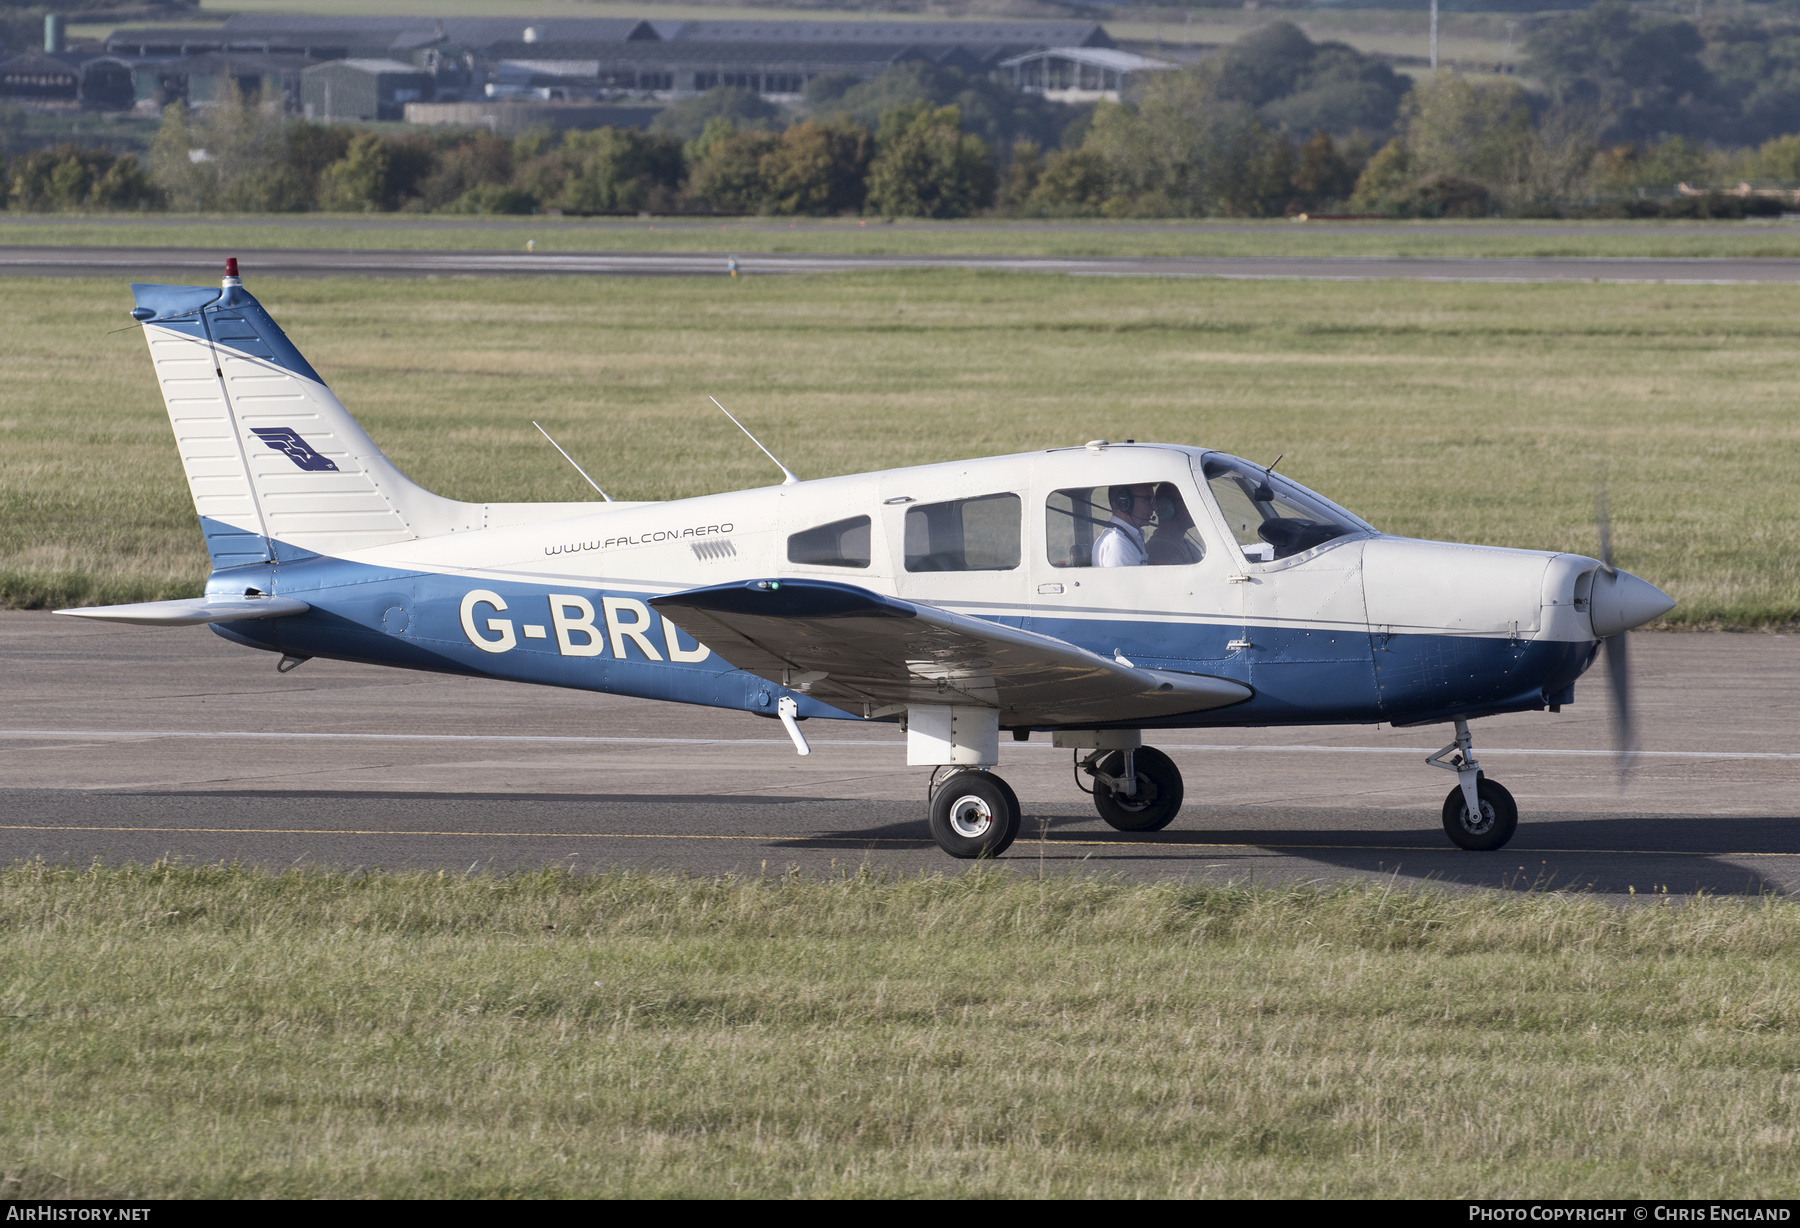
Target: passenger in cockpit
[[1122, 545], [1170, 545]]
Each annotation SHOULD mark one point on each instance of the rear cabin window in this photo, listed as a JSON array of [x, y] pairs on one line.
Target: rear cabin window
[[979, 534], [842, 543], [1077, 521]]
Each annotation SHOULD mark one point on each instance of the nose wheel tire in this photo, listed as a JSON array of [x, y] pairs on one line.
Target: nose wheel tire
[[1158, 797], [974, 814], [1498, 820]]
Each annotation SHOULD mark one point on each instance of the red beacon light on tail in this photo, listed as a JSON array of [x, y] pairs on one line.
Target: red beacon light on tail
[[231, 272]]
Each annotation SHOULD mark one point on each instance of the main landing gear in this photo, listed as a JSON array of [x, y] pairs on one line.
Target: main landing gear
[[1136, 789], [1479, 814], [974, 813]]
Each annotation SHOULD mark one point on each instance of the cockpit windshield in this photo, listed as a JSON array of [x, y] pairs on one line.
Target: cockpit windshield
[[1271, 517]]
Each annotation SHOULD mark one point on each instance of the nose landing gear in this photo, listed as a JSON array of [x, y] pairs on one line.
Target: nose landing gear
[[1479, 815], [1498, 819]]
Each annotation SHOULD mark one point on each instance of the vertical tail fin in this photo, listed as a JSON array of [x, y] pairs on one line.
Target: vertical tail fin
[[278, 468]]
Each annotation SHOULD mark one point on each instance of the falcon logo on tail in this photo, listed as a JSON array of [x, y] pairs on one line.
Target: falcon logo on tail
[[287, 439]]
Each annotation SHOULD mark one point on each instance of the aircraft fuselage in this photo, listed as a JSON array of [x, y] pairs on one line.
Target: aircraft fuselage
[[1362, 628]]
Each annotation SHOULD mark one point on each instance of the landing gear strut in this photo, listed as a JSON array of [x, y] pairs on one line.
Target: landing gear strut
[[973, 812], [976, 814], [1138, 789], [1479, 814]]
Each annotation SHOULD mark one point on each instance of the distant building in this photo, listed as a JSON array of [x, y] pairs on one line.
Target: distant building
[[252, 76], [1079, 74], [675, 69], [340, 38], [362, 89], [66, 81], [167, 42], [36, 77], [390, 32], [1018, 35], [107, 84], [385, 63]]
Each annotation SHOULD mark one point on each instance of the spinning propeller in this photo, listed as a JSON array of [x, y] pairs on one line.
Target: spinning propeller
[[1618, 602], [1618, 661]]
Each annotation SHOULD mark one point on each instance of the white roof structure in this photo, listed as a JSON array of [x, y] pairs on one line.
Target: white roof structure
[[1093, 57], [376, 66], [1079, 74], [553, 68]]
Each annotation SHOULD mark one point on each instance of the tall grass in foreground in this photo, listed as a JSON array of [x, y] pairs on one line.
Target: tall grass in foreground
[[218, 1031], [1477, 413]]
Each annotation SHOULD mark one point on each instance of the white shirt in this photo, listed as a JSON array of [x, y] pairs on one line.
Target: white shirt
[[1122, 545]]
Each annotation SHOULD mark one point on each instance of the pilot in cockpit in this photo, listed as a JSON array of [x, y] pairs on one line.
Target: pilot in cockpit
[[1122, 545], [1172, 545]]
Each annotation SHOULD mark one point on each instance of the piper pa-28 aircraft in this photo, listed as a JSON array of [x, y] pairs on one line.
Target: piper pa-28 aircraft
[[1092, 594]]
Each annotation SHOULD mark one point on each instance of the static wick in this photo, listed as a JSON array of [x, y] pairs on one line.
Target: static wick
[[787, 475], [571, 460]]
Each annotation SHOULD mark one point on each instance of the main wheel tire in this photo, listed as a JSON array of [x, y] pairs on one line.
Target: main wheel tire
[[1499, 817], [1013, 798], [1159, 792], [974, 814]]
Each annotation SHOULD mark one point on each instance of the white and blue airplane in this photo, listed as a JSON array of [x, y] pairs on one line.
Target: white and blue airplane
[[1091, 593]]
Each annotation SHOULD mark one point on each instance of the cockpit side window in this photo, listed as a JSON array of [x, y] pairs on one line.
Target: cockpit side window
[[842, 543], [1271, 517], [979, 534], [1141, 525]]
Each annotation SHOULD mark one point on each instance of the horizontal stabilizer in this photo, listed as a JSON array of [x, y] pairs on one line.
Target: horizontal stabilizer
[[858, 650], [193, 612]]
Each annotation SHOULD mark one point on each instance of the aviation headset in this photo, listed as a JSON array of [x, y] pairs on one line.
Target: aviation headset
[[1121, 498], [1169, 508]]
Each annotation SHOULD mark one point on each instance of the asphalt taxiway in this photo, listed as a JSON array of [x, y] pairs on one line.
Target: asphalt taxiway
[[186, 263], [124, 743]]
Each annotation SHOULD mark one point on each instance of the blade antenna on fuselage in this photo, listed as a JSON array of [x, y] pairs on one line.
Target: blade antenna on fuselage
[[571, 460], [787, 475]]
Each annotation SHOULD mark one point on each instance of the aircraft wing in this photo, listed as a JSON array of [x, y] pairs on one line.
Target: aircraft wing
[[192, 612], [855, 649]]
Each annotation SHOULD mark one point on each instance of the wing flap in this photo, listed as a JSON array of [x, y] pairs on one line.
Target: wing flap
[[192, 612], [856, 649]]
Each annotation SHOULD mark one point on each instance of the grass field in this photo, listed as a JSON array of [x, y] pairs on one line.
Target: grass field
[[1469, 413], [219, 1033], [365, 232]]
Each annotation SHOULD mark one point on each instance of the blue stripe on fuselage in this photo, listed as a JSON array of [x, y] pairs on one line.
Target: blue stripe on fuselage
[[1325, 675], [413, 620], [1300, 675]]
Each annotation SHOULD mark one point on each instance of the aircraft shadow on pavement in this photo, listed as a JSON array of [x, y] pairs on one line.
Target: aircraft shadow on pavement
[[1602, 854], [583, 800], [1612, 854], [1605, 855]]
